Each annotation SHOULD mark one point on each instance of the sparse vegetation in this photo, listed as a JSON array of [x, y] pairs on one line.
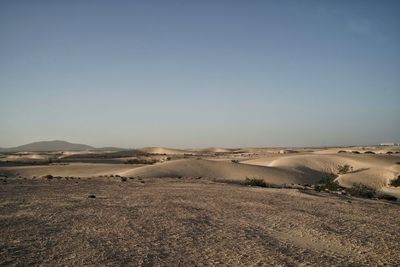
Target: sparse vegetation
[[235, 161], [343, 169], [361, 190], [395, 182], [255, 182], [140, 161], [124, 179], [328, 182], [355, 152], [369, 152], [387, 197], [341, 151], [389, 152], [48, 177]]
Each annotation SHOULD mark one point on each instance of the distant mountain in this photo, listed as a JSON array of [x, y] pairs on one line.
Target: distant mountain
[[55, 145]]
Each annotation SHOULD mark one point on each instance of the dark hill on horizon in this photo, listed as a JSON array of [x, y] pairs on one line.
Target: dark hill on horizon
[[55, 145]]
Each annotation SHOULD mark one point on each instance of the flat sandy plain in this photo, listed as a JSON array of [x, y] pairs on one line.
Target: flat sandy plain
[[189, 209]]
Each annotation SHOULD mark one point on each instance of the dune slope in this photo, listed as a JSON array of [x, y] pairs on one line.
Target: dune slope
[[221, 170], [372, 170]]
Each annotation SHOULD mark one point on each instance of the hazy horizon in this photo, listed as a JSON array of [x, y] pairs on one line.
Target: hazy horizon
[[187, 147], [200, 73]]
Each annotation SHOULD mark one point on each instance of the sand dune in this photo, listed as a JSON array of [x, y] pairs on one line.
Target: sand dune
[[361, 150], [76, 169], [164, 150], [372, 170], [216, 150], [221, 170], [23, 157], [112, 154]]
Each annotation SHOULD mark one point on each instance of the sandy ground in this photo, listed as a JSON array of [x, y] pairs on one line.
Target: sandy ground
[[71, 169], [297, 167], [182, 222]]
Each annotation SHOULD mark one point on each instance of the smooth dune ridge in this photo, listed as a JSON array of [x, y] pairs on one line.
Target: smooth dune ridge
[[165, 150], [216, 150], [375, 171], [221, 170]]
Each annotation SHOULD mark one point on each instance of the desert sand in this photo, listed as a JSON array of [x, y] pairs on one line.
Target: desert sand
[[165, 206], [373, 170]]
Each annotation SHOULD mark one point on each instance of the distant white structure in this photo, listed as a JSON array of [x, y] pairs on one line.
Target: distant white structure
[[388, 144]]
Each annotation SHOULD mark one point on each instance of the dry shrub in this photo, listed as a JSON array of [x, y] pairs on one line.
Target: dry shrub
[[361, 190], [343, 169], [395, 182], [255, 182], [48, 176]]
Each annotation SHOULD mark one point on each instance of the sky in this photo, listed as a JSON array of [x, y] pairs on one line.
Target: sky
[[200, 73]]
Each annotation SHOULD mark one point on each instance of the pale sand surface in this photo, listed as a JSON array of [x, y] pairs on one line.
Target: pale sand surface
[[73, 169], [180, 222], [372, 170], [163, 150], [218, 170], [375, 171]]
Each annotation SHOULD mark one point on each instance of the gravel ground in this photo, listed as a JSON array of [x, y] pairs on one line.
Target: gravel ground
[[189, 222]]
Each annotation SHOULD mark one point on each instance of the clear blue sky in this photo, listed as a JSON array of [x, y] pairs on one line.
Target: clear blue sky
[[200, 73]]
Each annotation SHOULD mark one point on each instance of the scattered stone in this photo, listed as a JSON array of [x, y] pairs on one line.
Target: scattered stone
[[91, 196]]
